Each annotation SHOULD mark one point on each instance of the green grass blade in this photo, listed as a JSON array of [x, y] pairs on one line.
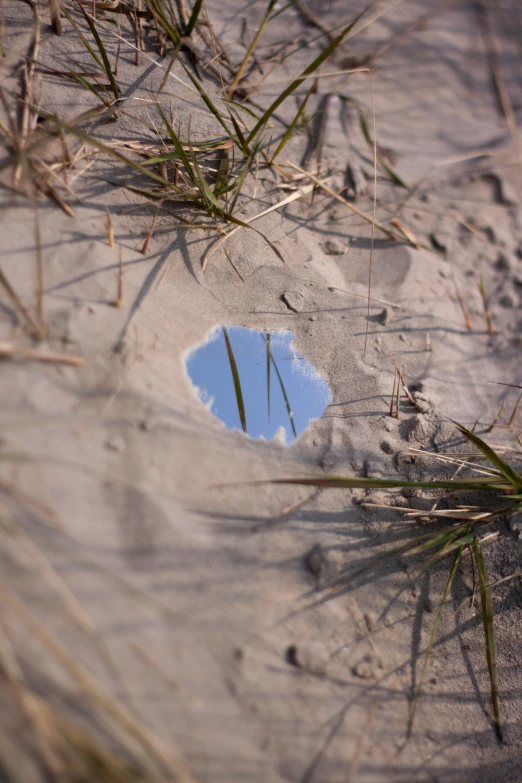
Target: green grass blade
[[156, 9], [101, 48], [223, 173], [82, 38], [239, 133], [241, 70], [237, 382], [507, 471], [292, 125], [427, 541], [77, 78], [431, 642], [209, 103], [268, 360], [243, 108], [295, 84], [178, 145], [489, 633], [193, 17], [240, 181], [449, 539], [351, 482], [287, 401], [204, 187]]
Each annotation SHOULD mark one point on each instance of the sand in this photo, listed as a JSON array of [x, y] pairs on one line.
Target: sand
[[201, 608]]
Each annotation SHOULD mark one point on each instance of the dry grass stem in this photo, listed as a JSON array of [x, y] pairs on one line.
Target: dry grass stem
[[110, 230], [354, 293], [10, 351], [368, 218], [33, 326]]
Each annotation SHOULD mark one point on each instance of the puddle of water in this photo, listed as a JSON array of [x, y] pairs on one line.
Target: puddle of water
[[256, 381]]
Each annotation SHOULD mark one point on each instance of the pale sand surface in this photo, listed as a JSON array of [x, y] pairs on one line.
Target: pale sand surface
[[201, 597]]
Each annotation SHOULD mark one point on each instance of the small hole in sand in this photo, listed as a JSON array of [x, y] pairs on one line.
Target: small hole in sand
[[291, 655]]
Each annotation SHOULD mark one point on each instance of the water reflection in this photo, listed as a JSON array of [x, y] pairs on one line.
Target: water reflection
[[256, 381]]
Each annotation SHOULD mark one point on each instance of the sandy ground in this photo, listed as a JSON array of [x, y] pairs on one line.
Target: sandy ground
[[203, 610]]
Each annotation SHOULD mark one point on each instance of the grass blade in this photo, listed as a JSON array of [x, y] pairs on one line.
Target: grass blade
[[237, 382], [268, 358], [210, 105], [431, 642], [489, 633], [292, 125], [156, 9], [223, 172], [351, 482], [101, 48], [204, 188], [297, 82], [250, 50], [507, 471], [240, 181], [193, 17], [82, 38], [177, 144], [287, 401], [239, 133]]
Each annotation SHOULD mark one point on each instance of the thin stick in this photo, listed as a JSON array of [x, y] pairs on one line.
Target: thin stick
[[39, 269], [514, 413], [487, 309], [137, 39], [234, 267], [497, 417], [392, 401], [9, 351], [118, 49], [149, 233], [353, 293], [346, 203], [110, 231], [20, 305], [489, 41], [463, 305]]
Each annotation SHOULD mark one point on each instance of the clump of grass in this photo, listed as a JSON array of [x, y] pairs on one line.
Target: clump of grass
[[463, 533]]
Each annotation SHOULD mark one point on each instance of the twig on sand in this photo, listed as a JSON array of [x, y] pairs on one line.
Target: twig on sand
[[9, 351], [35, 329], [369, 219], [354, 293]]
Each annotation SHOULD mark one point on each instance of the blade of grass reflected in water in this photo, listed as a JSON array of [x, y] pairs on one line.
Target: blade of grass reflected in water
[[237, 382], [268, 357], [287, 401]]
